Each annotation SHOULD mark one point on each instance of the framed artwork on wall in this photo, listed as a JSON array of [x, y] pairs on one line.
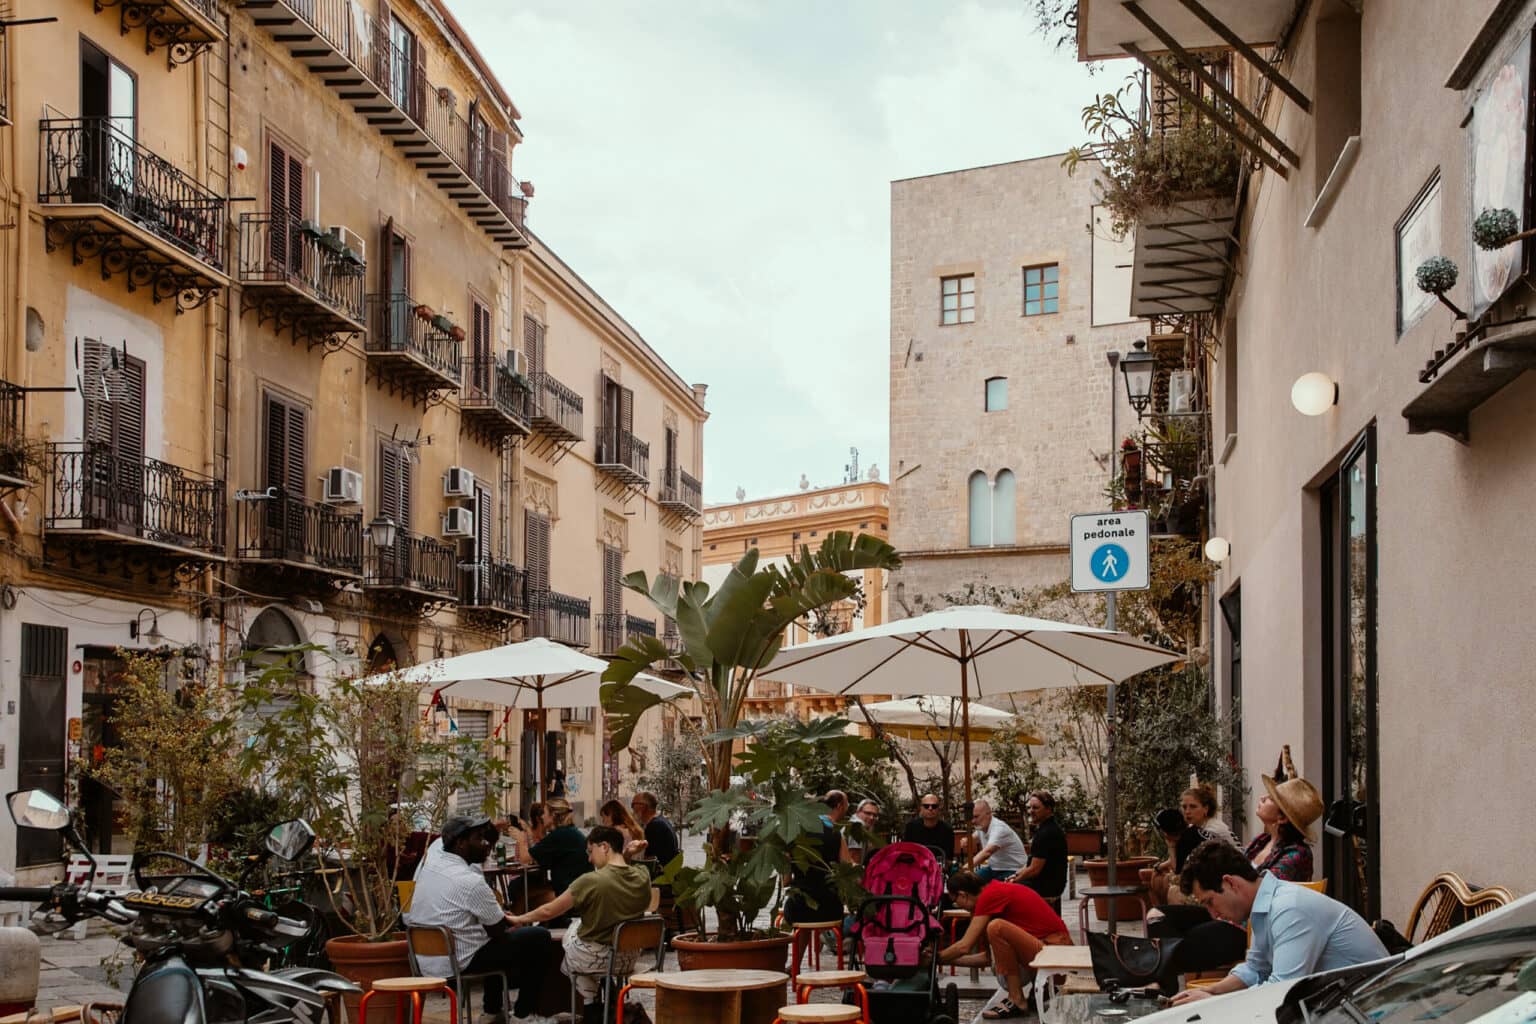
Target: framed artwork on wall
[[1417, 237], [1500, 134]]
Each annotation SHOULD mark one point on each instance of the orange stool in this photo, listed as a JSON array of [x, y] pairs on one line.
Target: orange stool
[[808, 981], [817, 1013], [808, 934], [645, 979], [953, 919], [415, 988]]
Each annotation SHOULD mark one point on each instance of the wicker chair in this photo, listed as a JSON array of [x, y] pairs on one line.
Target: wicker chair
[[1449, 901]]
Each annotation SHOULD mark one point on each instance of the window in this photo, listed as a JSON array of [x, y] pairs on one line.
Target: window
[[1002, 507], [285, 434], [1227, 354], [1041, 286], [114, 392], [1338, 108], [403, 61], [533, 345], [536, 555], [481, 360], [996, 394], [980, 510], [958, 295]]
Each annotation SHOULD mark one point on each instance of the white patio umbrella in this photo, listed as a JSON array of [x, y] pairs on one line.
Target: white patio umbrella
[[530, 675], [934, 717], [994, 652]]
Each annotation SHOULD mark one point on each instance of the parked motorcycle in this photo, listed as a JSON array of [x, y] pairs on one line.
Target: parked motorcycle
[[198, 934]]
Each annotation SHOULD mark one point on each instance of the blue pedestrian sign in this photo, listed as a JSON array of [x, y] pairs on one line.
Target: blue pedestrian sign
[[1110, 551]]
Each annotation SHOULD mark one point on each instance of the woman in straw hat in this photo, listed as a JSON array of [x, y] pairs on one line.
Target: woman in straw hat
[[1287, 813]]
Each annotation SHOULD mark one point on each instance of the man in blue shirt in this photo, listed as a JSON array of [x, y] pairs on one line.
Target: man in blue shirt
[[1296, 931]]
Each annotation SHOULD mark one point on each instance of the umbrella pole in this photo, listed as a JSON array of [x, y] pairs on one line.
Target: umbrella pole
[[538, 758], [1111, 796], [965, 712]]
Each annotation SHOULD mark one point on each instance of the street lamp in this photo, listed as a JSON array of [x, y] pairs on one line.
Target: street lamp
[[153, 635], [382, 532], [1138, 365]]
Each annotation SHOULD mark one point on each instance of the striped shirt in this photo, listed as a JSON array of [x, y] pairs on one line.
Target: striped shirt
[[451, 894]]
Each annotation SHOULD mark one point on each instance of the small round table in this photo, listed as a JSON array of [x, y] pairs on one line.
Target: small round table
[[1112, 893], [719, 997]]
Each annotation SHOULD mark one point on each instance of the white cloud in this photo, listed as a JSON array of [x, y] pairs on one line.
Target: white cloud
[[720, 173]]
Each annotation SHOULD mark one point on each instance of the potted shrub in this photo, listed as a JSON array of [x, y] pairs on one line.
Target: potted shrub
[[366, 771], [727, 636], [739, 879], [442, 323], [425, 313], [456, 332]]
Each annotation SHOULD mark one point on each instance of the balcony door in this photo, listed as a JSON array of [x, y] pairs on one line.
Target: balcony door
[[113, 468], [395, 283], [484, 592], [395, 503], [109, 122], [286, 432], [285, 200], [481, 368], [613, 598], [617, 434], [536, 551]]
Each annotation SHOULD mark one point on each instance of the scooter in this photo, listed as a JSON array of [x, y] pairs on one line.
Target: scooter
[[195, 932]]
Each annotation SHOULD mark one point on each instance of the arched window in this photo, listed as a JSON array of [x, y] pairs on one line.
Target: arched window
[[980, 510], [272, 629], [381, 655], [1002, 507]]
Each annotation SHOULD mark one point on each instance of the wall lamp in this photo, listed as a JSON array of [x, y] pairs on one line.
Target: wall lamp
[[153, 636], [1138, 365], [1314, 393], [1218, 549]]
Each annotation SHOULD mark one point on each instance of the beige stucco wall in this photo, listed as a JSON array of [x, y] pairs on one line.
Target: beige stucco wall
[[994, 221], [1455, 648]]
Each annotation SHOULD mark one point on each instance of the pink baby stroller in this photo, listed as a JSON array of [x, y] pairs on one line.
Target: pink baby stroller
[[896, 936]]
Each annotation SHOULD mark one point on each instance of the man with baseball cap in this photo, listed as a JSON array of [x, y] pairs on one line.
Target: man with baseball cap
[[451, 894]]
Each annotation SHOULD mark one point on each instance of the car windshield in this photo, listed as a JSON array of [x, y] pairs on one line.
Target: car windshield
[[1488, 979]]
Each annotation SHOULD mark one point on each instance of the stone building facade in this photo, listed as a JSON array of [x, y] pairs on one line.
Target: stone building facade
[[1007, 292]]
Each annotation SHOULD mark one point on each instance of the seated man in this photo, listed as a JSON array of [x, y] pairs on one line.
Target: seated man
[[930, 829], [451, 894], [1295, 931], [1017, 923], [1046, 872], [610, 894], [999, 850], [864, 841], [660, 837]]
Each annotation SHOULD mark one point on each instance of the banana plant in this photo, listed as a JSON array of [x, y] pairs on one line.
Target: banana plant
[[729, 634]]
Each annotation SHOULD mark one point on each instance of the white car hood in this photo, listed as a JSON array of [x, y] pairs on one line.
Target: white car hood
[[1248, 1006]]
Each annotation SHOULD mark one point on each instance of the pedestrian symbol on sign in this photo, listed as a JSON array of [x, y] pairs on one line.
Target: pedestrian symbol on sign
[[1109, 562]]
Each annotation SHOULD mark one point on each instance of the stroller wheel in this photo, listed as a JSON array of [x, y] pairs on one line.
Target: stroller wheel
[[952, 1001]]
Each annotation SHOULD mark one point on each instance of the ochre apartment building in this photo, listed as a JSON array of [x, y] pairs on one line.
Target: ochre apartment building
[[284, 362]]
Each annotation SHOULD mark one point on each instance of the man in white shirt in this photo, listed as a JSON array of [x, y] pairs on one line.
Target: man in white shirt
[[451, 894], [999, 850]]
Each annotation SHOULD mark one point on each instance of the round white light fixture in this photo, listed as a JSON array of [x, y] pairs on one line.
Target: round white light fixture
[[1217, 549], [1314, 393]]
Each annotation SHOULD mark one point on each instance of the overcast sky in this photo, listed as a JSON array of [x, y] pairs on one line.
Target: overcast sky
[[720, 171]]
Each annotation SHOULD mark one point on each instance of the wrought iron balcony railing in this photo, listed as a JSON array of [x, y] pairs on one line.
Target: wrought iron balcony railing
[[495, 585], [561, 617], [409, 338], [282, 527], [96, 489], [13, 433], [681, 493], [296, 256], [556, 408], [634, 625], [388, 84], [414, 563], [493, 400], [623, 455], [92, 160], [608, 633]]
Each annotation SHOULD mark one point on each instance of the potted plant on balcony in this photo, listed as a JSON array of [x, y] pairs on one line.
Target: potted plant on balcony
[[367, 769], [457, 333], [350, 260], [441, 323], [331, 243], [1145, 174], [309, 229], [727, 636], [425, 313]]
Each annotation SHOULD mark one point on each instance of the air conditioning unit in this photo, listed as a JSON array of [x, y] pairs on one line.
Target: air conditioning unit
[[1181, 391], [458, 522], [351, 239], [515, 363], [343, 486], [458, 482]]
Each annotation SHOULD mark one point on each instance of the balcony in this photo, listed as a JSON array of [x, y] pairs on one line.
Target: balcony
[[413, 568], [300, 278], [493, 404], [409, 348], [353, 55], [286, 531], [623, 456], [494, 587], [561, 617], [14, 471], [1464, 374], [184, 27], [99, 494], [555, 411], [681, 494], [108, 198]]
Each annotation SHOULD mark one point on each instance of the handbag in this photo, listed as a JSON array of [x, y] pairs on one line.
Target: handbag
[[1129, 961]]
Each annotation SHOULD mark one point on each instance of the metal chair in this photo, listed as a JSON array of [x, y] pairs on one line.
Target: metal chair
[[437, 940], [636, 936]]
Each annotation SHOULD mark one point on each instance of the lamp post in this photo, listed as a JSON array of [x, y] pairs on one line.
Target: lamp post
[[1139, 366], [382, 532]]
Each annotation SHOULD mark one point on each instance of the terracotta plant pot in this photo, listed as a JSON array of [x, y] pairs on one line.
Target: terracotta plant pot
[[1127, 872], [1085, 842], [364, 963], [770, 954]]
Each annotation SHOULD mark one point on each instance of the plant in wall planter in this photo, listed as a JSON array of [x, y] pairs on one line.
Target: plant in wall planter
[[1494, 229], [1436, 276], [442, 323], [425, 313], [457, 332]]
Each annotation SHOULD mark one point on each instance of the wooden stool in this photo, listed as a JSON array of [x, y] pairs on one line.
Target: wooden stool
[[415, 988], [952, 920], [808, 933], [810, 980], [817, 1013], [645, 979]]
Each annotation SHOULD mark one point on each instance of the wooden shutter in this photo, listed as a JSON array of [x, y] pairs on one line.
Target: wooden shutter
[[483, 523], [128, 413], [285, 200], [114, 402], [383, 52], [533, 344], [613, 580], [627, 426], [536, 557], [98, 411], [495, 167], [418, 92], [672, 457], [480, 347], [389, 483], [286, 430]]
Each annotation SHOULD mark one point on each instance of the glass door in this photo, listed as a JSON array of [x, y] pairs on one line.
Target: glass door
[[1351, 853]]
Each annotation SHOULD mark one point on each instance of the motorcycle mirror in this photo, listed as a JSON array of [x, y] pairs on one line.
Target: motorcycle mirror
[[290, 840], [37, 808]]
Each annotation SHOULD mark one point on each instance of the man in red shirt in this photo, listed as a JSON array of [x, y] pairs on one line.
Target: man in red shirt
[[1017, 923]]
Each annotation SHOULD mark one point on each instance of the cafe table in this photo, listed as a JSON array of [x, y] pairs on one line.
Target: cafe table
[[727, 996]]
